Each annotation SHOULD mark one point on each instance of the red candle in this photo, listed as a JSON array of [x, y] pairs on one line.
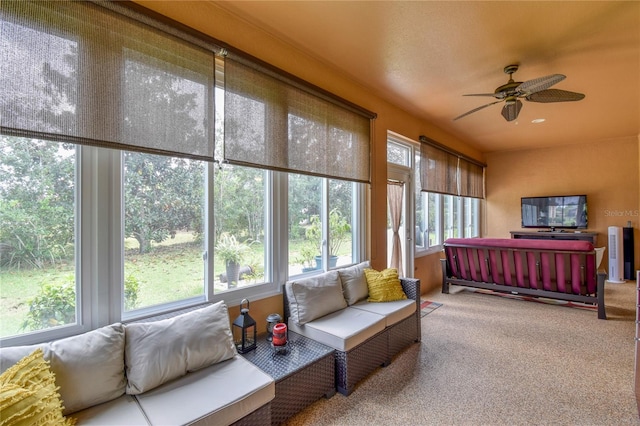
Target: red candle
[[280, 334]]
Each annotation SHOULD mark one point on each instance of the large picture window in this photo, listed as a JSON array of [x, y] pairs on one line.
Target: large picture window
[[118, 200]]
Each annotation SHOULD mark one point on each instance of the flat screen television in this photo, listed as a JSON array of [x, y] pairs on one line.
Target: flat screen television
[[562, 212]]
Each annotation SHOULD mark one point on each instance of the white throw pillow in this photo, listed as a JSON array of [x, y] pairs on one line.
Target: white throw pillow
[[159, 351], [354, 283], [89, 367], [314, 297]]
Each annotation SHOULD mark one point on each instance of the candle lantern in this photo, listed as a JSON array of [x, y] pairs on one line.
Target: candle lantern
[[272, 320], [280, 334], [279, 343], [244, 330]]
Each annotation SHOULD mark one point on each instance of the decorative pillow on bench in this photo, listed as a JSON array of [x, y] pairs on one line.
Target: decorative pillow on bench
[[354, 283], [384, 286], [159, 351], [315, 297], [79, 363], [28, 394]]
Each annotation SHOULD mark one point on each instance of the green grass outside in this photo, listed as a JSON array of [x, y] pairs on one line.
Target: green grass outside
[[172, 271]]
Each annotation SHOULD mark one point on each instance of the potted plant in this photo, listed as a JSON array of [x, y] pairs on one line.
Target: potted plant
[[306, 257], [339, 230], [231, 251]]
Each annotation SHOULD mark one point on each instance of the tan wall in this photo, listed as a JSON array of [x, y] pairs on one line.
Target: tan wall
[[607, 172]]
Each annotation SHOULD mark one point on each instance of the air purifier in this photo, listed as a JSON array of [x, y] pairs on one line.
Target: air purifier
[[616, 271]]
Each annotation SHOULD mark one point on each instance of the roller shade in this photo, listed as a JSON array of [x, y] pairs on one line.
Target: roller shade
[[80, 72], [277, 123], [447, 172]]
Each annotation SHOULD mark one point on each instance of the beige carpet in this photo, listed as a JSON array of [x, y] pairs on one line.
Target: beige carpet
[[487, 360]]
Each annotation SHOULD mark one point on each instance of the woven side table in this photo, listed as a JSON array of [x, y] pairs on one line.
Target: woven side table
[[303, 375]]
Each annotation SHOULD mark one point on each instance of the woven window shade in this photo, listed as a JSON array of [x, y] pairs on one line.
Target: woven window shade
[[445, 172], [275, 123], [471, 179], [438, 170], [79, 72]]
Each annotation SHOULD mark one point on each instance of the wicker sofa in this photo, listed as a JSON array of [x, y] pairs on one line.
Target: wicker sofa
[[556, 269], [332, 308], [179, 370]]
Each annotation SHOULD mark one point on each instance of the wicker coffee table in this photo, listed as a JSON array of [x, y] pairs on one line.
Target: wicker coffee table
[[304, 374]]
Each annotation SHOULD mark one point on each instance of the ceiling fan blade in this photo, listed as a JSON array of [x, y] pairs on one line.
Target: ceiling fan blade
[[554, 95], [498, 95], [538, 84], [476, 109], [511, 110]]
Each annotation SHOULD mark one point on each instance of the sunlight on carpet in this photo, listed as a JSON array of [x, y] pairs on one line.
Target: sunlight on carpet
[[427, 306]]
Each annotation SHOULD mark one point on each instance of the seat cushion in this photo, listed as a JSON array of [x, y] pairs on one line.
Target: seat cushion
[[314, 297], [393, 312], [79, 362], [159, 351], [226, 391], [123, 411], [342, 330]]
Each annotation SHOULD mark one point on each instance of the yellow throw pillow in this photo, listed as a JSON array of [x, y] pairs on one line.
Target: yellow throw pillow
[[28, 394], [384, 286]]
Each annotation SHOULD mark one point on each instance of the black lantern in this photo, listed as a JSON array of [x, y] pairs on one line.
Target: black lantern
[[244, 330], [272, 320]]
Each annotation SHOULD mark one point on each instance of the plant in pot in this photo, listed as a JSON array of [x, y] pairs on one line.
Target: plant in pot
[[339, 230], [232, 252], [306, 257]]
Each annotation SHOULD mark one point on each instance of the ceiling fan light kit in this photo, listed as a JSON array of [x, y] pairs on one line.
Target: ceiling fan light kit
[[536, 90]]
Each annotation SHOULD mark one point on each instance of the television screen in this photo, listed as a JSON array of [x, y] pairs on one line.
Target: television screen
[[567, 211]]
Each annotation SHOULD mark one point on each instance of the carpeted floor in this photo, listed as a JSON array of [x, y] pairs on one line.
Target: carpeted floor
[[428, 306], [487, 360]]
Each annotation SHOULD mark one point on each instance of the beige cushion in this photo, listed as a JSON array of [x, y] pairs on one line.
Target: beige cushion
[[220, 394], [159, 351], [354, 283], [393, 312], [314, 297], [342, 330], [89, 367]]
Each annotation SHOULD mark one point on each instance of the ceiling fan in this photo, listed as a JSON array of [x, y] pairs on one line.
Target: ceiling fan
[[536, 90]]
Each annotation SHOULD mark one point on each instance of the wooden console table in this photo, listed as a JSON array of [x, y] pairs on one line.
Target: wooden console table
[[592, 237]]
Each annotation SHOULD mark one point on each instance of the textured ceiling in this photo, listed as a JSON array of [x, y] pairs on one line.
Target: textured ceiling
[[424, 55]]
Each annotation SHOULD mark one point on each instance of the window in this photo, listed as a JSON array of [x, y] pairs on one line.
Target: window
[[308, 213], [163, 229], [111, 203], [37, 235], [240, 234], [305, 223], [397, 153], [439, 216]]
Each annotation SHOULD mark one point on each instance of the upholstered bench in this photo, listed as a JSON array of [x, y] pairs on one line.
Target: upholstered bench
[[178, 371], [337, 309]]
